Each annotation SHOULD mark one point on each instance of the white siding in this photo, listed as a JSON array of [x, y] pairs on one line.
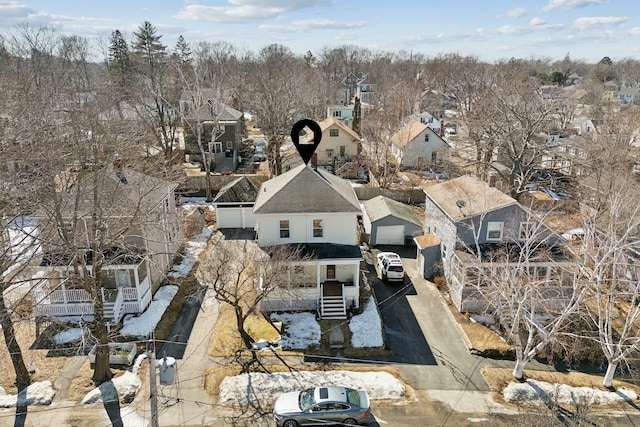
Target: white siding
[[338, 228]]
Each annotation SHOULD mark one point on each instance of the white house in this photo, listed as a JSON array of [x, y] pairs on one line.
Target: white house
[[417, 146], [339, 143], [316, 212], [136, 249], [344, 113]]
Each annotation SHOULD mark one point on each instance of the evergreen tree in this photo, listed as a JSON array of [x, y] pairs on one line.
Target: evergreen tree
[[149, 50], [119, 61], [182, 51], [357, 116]]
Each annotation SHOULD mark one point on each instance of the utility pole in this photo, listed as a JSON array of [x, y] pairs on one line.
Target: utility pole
[[153, 388]]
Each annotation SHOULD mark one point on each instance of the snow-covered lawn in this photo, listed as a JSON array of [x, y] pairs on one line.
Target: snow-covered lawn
[[68, 336], [143, 325], [263, 388], [366, 327], [123, 388], [193, 249], [533, 390], [40, 393], [301, 330]]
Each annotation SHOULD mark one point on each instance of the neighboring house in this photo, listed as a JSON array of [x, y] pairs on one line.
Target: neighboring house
[[140, 233], [316, 212], [339, 143], [629, 94], [365, 88], [565, 153], [428, 255], [471, 219], [389, 222], [221, 124], [234, 204], [344, 113], [416, 146], [433, 123]]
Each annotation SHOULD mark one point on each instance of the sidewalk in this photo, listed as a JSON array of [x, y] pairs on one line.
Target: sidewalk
[[186, 403]]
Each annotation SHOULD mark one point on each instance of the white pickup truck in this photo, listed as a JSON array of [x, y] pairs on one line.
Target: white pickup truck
[[389, 267]]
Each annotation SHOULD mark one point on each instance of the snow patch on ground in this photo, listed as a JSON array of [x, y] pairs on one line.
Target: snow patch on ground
[[301, 330], [193, 249], [366, 328], [123, 388], [70, 335], [533, 390], [263, 388], [143, 325], [40, 393]]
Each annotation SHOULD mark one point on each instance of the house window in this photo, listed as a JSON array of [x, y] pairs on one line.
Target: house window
[[526, 230], [434, 156], [337, 113], [333, 132], [329, 154], [317, 228], [494, 230], [284, 229], [343, 150], [331, 271], [426, 137]]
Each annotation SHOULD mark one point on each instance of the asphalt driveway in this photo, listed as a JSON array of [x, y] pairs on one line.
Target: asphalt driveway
[[403, 335]]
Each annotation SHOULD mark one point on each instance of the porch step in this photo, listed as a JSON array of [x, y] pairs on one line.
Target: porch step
[[333, 307]]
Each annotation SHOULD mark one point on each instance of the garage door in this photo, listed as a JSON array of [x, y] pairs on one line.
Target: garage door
[[229, 217], [390, 235]]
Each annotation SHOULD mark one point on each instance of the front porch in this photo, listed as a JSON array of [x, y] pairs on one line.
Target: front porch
[[329, 289], [126, 289]]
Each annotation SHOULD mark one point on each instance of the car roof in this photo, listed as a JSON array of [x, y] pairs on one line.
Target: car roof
[[333, 394], [390, 255]]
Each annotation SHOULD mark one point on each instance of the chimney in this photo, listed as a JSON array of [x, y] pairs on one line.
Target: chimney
[[492, 177], [314, 160]]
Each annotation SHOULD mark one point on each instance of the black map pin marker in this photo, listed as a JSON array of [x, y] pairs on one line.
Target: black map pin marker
[[306, 149]]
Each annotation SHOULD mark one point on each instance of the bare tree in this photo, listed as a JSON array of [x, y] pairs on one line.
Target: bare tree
[[611, 256], [530, 286], [242, 275], [277, 96]]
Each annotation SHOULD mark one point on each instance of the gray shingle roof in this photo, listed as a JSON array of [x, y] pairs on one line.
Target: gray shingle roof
[[304, 189], [241, 190], [381, 207], [467, 196]]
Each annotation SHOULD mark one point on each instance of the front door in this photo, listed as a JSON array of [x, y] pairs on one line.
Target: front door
[[331, 272], [123, 278]]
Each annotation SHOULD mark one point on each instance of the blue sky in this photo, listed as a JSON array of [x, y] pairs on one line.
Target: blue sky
[[489, 29]]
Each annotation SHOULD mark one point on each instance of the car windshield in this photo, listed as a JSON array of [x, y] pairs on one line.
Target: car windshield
[[353, 397], [306, 399], [397, 268]]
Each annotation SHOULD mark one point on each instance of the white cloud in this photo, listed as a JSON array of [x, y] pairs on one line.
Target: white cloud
[[635, 31], [536, 22], [284, 5], [226, 14], [570, 4], [596, 21], [508, 29], [346, 36], [244, 10], [302, 26], [516, 13]]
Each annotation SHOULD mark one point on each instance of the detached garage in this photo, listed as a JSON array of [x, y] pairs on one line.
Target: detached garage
[[389, 222], [234, 204]]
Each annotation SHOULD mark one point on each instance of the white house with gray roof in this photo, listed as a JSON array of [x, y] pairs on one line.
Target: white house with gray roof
[[316, 212]]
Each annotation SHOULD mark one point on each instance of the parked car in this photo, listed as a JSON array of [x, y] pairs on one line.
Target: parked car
[[389, 267], [322, 405], [258, 154]]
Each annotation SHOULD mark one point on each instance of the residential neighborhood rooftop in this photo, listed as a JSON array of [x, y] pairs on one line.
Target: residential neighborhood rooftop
[[381, 207]]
